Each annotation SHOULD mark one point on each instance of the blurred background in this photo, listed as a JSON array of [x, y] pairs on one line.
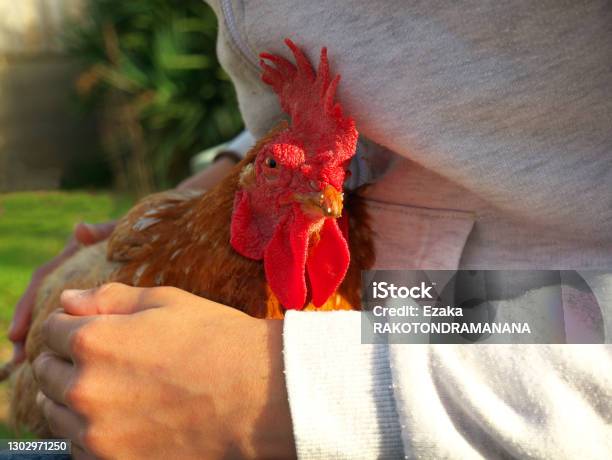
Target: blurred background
[[101, 101]]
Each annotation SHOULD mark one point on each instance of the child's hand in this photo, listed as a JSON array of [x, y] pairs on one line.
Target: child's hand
[[161, 373]]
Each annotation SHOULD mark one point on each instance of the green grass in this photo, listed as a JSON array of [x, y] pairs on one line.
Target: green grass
[[34, 227]]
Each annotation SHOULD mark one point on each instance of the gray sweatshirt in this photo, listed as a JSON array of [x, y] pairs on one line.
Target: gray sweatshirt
[[498, 119]]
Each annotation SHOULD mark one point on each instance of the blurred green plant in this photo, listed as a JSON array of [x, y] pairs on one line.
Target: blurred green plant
[[34, 227], [153, 77]]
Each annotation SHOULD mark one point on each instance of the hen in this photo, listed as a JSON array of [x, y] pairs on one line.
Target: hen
[[275, 234]]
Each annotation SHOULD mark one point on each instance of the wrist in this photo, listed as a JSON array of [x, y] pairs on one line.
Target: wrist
[[272, 437]]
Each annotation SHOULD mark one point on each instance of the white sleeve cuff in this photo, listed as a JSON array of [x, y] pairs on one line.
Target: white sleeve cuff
[[340, 391]]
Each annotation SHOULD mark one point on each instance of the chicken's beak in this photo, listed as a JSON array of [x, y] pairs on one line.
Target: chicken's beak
[[327, 203]]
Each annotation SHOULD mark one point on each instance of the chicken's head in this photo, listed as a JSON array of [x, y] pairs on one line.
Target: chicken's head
[[289, 203]]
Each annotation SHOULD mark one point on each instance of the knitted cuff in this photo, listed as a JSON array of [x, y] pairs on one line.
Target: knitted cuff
[[340, 391]]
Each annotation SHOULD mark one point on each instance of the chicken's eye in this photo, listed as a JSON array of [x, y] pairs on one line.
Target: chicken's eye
[[270, 162]]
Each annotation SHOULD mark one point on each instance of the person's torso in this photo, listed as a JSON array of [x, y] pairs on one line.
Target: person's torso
[[500, 114]]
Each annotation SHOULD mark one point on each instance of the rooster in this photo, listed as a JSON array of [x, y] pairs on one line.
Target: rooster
[[275, 234]]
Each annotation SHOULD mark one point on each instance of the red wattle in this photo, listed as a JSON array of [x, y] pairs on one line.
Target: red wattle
[[327, 262], [285, 259]]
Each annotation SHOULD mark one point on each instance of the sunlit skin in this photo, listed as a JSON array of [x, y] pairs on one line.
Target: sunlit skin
[[97, 388]]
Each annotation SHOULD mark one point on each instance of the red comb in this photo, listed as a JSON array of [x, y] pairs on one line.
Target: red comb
[[308, 98]]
